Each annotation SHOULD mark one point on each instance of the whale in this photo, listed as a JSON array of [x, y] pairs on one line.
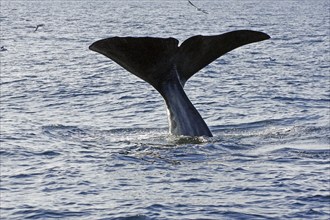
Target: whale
[[167, 66]]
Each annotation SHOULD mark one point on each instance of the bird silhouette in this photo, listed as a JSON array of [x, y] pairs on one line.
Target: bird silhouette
[[3, 48], [198, 9], [39, 25]]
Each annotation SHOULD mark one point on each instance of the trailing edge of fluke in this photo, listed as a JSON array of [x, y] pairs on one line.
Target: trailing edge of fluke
[[167, 66]]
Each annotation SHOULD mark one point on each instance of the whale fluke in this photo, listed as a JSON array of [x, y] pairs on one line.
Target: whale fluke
[[167, 66], [151, 58]]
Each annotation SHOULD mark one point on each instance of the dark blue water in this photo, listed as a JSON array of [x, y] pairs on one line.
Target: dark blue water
[[81, 138]]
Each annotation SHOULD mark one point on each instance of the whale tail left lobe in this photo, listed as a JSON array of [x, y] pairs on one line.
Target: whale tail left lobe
[[151, 59]]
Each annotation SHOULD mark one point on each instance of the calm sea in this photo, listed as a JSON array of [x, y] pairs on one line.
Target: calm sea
[[81, 138]]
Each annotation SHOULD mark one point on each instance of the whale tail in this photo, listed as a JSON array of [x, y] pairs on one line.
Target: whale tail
[[151, 59], [167, 67]]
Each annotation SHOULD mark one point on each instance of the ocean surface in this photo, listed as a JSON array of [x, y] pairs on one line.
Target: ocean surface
[[81, 138]]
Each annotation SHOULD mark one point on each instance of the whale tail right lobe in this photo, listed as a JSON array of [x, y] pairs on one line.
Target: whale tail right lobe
[[198, 51]]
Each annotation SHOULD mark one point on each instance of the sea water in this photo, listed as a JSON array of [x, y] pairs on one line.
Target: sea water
[[81, 138]]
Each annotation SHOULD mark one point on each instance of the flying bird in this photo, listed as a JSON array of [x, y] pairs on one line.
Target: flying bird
[[39, 25], [198, 9], [3, 48]]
